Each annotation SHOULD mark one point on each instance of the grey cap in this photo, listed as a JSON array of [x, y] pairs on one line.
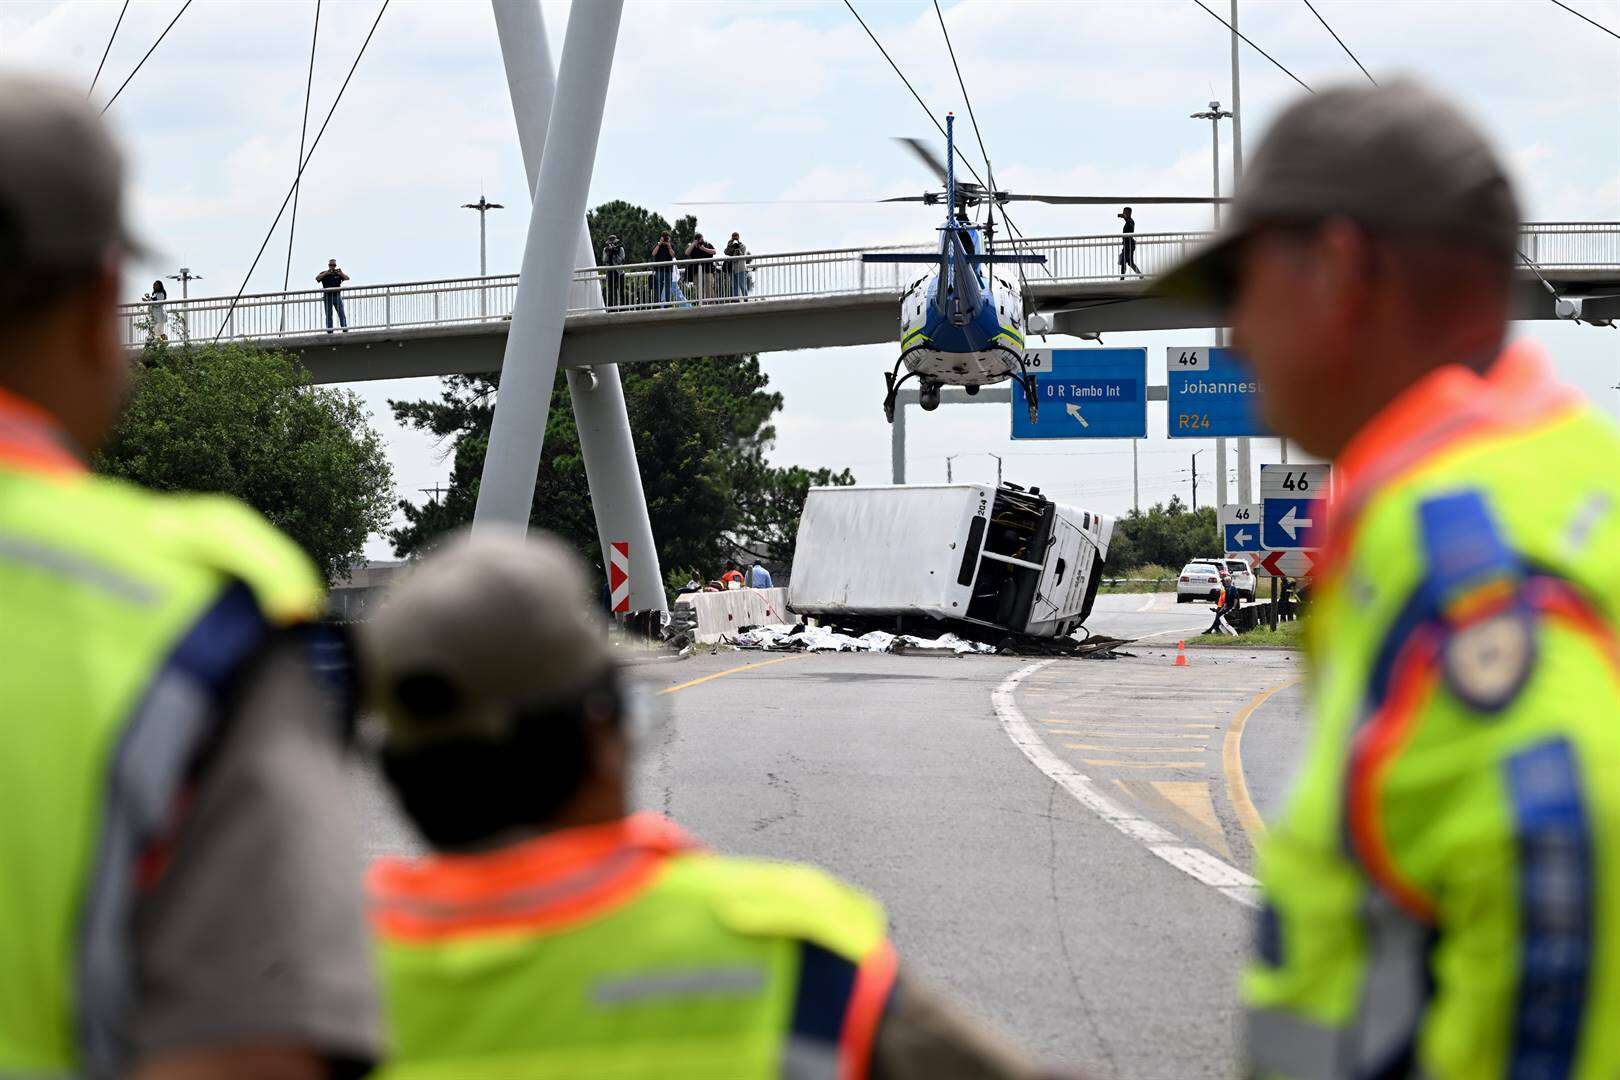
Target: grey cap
[[61, 181], [1396, 158], [483, 629]]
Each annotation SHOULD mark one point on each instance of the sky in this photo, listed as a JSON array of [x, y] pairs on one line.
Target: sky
[[759, 100]]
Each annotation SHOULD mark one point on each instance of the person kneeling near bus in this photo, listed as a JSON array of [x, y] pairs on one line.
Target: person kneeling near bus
[[554, 933]]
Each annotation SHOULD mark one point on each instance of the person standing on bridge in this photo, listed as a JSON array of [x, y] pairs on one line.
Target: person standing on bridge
[[1442, 892], [737, 266], [1127, 245], [552, 932], [331, 279], [664, 275], [179, 870], [613, 255]]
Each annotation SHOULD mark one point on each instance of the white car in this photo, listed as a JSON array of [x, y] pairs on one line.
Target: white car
[[1243, 581], [1198, 581]]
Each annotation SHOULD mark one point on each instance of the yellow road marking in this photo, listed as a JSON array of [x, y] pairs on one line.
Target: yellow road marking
[[1131, 749], [729, 671], [1192, 798], [1237, 789], [1131, 734], [1144, 764]]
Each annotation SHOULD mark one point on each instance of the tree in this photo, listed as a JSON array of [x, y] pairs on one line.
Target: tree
[[243, 421], [637, 228], [1168, 534], [701, 429]]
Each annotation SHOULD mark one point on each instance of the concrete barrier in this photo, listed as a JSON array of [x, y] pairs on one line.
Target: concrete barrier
[[721, 613]]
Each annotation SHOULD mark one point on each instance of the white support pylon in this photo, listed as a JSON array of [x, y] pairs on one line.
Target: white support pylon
[[618, 500], [529, 364]]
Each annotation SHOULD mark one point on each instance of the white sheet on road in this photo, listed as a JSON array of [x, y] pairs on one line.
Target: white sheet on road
[[826, 639]]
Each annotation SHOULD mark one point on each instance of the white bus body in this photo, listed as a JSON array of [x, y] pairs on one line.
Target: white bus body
[[1002, 558]]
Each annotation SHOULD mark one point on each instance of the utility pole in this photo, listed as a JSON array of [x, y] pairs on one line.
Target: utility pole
[[483, 206], [1245, 449], [1195, 479], [1136, 481], [1215, 114], [185, 277]]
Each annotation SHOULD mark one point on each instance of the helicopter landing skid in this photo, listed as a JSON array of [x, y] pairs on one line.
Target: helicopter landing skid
[[1025, 379], [894, 380]]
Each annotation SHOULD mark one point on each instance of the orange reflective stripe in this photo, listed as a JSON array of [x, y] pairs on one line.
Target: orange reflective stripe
[[1375, 746], [873, 983], [543, 884], [1445, 410], [30, 438]]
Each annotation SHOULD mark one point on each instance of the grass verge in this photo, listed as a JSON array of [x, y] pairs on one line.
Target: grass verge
[[1287, 635], [1144, 579]]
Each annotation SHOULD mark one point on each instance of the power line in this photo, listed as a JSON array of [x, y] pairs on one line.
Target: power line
[[968, 101], [143, 60], [1340, 40], [303, 130], [302, 166], [105, 52], [1594, 22], [1255, 47]]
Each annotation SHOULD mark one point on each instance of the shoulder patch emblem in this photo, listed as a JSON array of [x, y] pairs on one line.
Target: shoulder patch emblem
[[1487, 662]]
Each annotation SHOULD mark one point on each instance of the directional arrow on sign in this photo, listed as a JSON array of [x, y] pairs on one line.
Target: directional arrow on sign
[[1074, 411], [1291, 522], [1243, 536]]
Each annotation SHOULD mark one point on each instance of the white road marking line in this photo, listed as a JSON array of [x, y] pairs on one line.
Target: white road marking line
[[1221, 876]]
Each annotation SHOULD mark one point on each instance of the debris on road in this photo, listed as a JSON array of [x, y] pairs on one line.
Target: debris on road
[[813, 638]]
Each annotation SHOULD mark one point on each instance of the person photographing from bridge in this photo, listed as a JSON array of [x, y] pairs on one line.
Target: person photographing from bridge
[[663, 276], [1127, 244], [613, 255], [737, 266], [552, 932], [181, 890], [700, 274], [331, 280], [1442, 892]]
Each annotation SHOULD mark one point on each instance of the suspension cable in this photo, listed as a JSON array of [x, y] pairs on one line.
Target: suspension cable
[[1340, 40], [1594, 22], [303, 130], [143, 60], [301, 167], [108, 49], [1256, 48]]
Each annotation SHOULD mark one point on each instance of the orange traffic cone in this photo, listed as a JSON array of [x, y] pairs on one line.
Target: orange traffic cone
[[1181, 654]]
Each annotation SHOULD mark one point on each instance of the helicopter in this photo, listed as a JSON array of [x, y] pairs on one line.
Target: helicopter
[[963, 323]]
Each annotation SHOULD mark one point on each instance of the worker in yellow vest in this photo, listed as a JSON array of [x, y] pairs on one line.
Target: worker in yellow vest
[[179, 892], [1442, 891], [554, 934]]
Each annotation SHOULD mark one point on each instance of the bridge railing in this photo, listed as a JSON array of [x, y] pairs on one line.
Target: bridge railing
[[689, 283]]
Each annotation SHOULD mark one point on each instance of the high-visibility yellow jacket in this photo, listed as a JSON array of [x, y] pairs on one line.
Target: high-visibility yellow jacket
[[1443, 889], [122, 616], [623, 951]]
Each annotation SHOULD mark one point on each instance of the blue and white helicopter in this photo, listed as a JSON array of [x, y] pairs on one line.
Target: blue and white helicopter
[[963, 322]]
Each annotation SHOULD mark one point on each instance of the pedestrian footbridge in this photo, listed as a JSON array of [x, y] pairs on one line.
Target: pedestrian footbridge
[[787, 301]]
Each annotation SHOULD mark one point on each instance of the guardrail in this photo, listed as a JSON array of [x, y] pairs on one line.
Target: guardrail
[[687, 283]]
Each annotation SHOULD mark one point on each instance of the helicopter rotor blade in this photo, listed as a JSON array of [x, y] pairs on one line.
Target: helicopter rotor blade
[[1112, 200], [925, 154], [794, 202]]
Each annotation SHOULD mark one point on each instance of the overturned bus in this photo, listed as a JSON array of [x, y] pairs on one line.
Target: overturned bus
[[992, 560]]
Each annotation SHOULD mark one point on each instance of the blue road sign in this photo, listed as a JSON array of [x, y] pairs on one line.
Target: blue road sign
[[1084, 394], [1243, 538], [1293, 506], [1212, 394]]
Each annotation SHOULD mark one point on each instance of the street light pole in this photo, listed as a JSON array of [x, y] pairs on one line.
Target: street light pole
[[185, 277], [1215, 114], [483, 206], [1245, 451]]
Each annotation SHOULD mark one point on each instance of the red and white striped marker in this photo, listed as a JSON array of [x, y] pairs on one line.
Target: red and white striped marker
[[619, 574]]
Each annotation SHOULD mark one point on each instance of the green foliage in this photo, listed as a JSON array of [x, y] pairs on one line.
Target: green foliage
[[1149, 578], [701, 432], [1168, 534], [244, 421], [637, 228]]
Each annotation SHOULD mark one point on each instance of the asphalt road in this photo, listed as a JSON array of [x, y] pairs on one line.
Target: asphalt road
[[1006, 891]]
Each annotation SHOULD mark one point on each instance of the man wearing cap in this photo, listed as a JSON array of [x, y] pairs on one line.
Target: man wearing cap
[[1442, 892], [613, 256], [554, 933], [179, 891]]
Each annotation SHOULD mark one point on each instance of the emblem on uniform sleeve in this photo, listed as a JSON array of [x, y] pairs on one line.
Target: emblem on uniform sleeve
[[1487, 662]]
